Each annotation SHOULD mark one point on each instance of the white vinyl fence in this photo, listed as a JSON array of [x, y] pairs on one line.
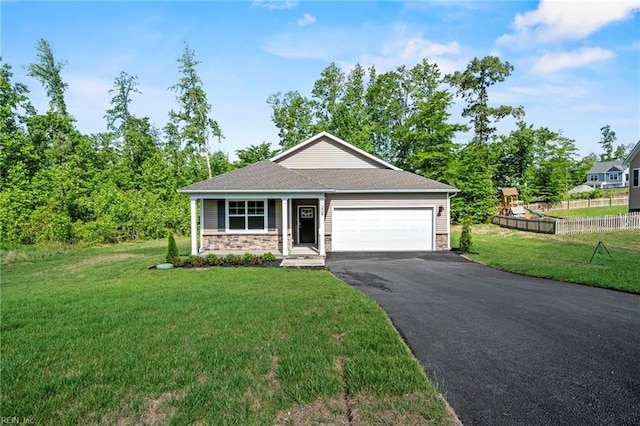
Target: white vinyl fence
[[577, 225], [588, 225]]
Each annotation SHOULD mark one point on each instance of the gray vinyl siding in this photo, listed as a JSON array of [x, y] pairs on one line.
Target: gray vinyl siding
[[634, 192], [326, 154], [211, 215], [388, 200]]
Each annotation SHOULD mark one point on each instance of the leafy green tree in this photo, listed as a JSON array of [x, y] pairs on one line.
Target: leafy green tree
[[15, 109], [191, 124], [473, 85], [291, 114], [253, 154], [555, 161], [607, 141], [472, 173], [47, 71]]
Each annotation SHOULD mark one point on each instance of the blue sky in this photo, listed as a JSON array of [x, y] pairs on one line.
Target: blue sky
[[577, 63]]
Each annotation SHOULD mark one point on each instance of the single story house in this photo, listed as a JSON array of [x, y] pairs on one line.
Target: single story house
[[323, 194], [608, 174], [633, 163]]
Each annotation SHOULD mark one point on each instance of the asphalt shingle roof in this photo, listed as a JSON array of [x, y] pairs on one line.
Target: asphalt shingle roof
[[605, 166], [261, 176], [269, 176], [372, 180]]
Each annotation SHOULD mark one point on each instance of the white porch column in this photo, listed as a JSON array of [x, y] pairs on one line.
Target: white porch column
[[285, 226], [201, 222], [321, 227], [194, 227]]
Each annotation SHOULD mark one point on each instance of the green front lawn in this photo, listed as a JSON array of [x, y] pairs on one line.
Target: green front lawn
[[588, 212], [562, 257], [91, 336]]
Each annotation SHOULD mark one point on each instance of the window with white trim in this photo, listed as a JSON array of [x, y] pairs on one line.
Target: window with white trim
[[614, 176], [593, 178], [636, 178], [247, 215]]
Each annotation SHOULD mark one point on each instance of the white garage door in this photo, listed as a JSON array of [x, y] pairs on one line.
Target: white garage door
[[382, 229]]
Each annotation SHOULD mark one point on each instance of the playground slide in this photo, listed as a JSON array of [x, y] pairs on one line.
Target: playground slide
[[534, 212]]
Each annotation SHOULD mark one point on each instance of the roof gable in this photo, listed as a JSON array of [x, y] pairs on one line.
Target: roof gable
[[325, 151], [606, 166], [634, 152]]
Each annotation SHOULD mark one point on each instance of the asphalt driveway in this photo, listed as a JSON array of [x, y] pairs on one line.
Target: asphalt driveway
[[505, 348]]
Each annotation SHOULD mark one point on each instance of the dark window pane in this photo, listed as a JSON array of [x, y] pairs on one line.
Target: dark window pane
[[256, 222], [236, 223]]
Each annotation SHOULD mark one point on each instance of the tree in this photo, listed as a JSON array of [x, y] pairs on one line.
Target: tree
[[47, 71], [607, 141], [253, 154], [555, 162], [473, 85], [119, 114], [191, 123], [291, 113], [15, 109], [465, 237]]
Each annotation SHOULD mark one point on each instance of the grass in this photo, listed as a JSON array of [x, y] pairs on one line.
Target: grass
[[91, 336], [561, 257], [589, 212]]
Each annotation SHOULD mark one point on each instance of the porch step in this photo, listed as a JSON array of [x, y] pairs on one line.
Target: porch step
[[307, 261]]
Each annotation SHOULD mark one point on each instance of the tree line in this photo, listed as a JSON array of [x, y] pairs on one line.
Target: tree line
[[59, 184]]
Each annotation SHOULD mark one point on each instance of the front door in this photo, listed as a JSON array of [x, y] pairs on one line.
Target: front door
[[306, 224]]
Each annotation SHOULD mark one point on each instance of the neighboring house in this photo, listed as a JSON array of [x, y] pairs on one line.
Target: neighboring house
[[608, 174], [323, 194], [633, 163]]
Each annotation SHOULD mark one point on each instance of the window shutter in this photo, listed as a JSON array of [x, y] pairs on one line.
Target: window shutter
[[271, 220], [221, 215]]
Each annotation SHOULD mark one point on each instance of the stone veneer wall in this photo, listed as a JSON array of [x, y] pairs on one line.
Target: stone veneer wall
[[269, 241], [442, 242], [327, 243]]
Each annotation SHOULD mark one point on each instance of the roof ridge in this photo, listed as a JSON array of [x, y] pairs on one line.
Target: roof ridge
[[302, 176]]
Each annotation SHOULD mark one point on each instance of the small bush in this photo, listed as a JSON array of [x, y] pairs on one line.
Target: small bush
[[211, 259], [238, 260], [197, 261], [172, 249], [177, 262], [465, 237], [247, 258], [269, 257], [257, 260], [230, 258]]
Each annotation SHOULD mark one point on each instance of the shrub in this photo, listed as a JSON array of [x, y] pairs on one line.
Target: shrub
[[257, 260], [247, 258], [172, 249], [465, 237], [211, 259], [234, 259], [197, 261], [177, 262], [269, 257]]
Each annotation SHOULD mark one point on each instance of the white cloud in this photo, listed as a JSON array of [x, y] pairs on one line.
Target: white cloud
[[411, 50], [566, 20], [275, 4], [552, 62], [307, 19], [384, 48]]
